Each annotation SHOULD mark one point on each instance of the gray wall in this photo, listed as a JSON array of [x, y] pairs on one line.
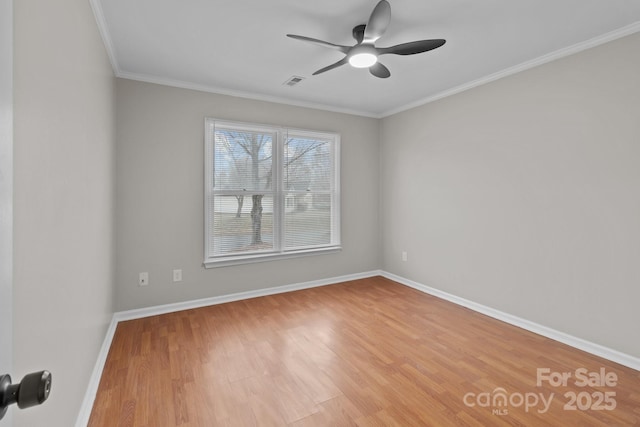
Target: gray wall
[[63, 201], [159, 214], [524, 194]]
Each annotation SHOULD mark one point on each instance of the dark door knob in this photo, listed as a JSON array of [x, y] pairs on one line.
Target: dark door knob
[[33, 390]]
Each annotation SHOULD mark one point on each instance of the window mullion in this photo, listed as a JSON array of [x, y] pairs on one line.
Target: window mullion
[[278, 154], [301, 207]]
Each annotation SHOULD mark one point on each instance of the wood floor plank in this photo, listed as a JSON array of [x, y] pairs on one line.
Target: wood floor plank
[[367, 352]]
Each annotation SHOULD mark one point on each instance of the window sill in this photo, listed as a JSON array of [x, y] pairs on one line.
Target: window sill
[[249, 259]]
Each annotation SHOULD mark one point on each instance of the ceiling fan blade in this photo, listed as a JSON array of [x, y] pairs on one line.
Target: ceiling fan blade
[[343, 49], [332, 66], [378, 22], [379, 70], [412, 48]]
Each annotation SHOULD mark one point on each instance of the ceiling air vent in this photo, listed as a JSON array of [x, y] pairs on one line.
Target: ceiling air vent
[[293, 80]]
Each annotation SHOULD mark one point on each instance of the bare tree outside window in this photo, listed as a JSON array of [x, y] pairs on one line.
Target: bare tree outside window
[[270, 191], [244, 163]]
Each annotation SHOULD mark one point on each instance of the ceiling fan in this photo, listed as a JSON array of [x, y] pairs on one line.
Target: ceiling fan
[[364, 54]]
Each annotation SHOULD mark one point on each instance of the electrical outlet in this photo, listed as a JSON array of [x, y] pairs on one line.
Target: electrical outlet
[[404, 255], [143, 279], [177, 275]]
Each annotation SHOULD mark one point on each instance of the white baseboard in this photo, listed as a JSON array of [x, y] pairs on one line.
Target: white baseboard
[[579, 343], [188, 305], [94, 382]]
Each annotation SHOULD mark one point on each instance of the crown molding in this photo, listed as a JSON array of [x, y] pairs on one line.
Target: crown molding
[[104, 34], [241, 94], [558, 54]]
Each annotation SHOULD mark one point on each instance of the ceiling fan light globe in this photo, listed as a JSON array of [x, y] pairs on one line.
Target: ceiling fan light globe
[[363, 60]]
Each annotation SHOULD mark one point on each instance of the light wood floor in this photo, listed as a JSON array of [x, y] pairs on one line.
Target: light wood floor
[[368, 353]]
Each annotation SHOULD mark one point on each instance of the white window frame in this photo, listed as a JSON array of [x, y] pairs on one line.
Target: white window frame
[[279, 252]]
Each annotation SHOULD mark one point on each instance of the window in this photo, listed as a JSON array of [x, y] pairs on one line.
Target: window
[[270, 192]]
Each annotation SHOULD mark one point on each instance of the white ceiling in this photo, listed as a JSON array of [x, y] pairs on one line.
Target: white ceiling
[[239, 47]]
